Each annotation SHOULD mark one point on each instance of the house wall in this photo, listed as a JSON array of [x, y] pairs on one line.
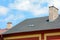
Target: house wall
[[52, 36], [26, 37], [35, 35], [0, 37]]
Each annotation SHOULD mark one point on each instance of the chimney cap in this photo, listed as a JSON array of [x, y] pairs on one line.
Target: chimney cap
[[54, 7], [9, 23]]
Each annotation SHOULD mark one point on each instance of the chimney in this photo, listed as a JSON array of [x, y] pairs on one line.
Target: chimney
[[53, 13], [9, 25]]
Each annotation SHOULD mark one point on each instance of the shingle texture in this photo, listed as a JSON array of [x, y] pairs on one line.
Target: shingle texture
[[41, 23]]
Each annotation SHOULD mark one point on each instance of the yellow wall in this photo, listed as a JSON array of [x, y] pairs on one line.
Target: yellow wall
[[26, 36], [34, 35], [50, 34]]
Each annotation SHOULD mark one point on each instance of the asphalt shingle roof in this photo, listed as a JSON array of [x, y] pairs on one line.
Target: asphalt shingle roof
[[40, 23]]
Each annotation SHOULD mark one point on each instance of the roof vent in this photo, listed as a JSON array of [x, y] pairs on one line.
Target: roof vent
[[31, 25]]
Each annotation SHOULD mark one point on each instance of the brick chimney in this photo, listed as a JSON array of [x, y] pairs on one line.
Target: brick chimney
[[9, 25], [53, 13]]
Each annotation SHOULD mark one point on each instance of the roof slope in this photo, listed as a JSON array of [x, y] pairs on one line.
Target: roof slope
[[37, 24], [3, 30]]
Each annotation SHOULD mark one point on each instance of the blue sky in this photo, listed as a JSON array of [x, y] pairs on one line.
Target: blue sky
[[16, 11]]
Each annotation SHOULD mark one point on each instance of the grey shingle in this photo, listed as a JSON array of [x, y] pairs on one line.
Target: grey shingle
[[39, 24]]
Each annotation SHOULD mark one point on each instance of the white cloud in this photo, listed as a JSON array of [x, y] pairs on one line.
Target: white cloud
[[9, 18], [41, 11], [20, 5], [3, 10], [13, 18], [57, 3], [36, 9], [21, 16]]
